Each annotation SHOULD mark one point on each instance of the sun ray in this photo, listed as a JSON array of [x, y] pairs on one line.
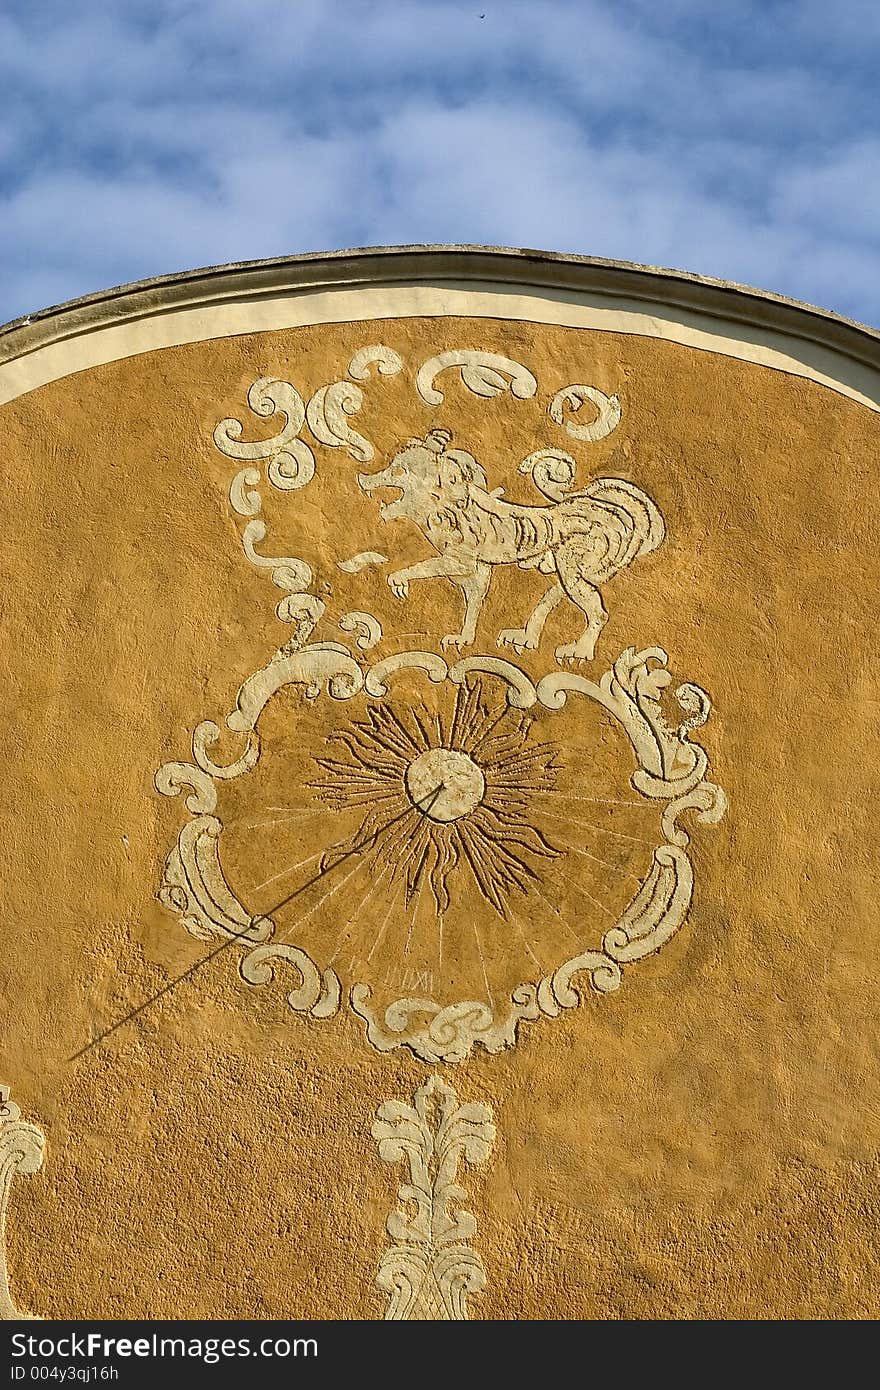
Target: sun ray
[[491, 833], [422, 728], [356, 797], [490, 883], [525, 941], [371, 753], [481, 738], [557, 914], [598, 800], [602, 829], [280, 820], [489, 994], [466, 705], [388, 738], [411, 862], [624, 873], [329, 892], [395, 719], [386, 919], [415, 914], [587, 894], [371, 890], [290, 809], [403, 830], [291, 869]]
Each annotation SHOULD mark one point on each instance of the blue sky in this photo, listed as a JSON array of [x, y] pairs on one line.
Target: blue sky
[[740, 140]]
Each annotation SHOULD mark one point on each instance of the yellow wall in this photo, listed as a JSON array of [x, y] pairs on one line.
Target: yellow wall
[[699, 1143]]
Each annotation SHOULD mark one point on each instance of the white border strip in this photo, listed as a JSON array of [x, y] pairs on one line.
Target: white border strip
[[173, 327]]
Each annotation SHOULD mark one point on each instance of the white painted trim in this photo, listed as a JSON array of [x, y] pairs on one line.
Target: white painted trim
[[154, 326]]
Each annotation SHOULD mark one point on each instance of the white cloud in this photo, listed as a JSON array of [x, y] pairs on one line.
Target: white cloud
[[147, 138]]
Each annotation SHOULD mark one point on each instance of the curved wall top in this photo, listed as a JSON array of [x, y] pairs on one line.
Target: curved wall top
[[471, 281]]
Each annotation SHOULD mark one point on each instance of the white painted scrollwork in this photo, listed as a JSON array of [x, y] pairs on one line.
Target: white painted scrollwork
[[205, 736], [194, 887], [243, 493], [444, 1034], [386, 360], [318, 993], [291, 462], [368, 628], [292, 575], [572, 398], [321, 666], [21, 1151], [327, 414], [171, 779], [331, 406], [290, 466], [580, 538], [483, 373], [521, 693], [432, 1268]]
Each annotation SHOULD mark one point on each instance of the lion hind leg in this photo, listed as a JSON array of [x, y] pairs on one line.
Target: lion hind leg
[[588, 599], [527, 638]]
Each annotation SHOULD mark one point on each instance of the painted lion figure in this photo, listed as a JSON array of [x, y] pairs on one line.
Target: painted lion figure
[[582, 539]]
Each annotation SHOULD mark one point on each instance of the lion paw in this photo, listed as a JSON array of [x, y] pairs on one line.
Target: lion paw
[[399, 585], [573, 651], [454, 639], [518, 638]]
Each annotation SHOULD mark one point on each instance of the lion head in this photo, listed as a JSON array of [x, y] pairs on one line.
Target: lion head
[[432, 480]]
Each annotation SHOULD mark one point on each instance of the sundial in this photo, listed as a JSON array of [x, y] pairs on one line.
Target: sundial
[[453, 846], [508, 820]]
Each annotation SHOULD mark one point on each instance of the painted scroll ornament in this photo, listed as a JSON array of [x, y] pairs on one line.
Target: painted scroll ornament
[[438, 781]]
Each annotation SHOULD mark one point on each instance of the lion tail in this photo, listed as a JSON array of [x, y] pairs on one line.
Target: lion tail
[[631, 523]]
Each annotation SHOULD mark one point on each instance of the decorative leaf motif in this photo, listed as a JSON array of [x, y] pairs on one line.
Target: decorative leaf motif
[[433, 1266]]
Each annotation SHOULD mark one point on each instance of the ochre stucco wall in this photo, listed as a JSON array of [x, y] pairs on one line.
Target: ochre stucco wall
[[701, 1143]]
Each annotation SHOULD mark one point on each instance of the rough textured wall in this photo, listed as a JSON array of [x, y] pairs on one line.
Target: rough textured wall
[[697, 1135]]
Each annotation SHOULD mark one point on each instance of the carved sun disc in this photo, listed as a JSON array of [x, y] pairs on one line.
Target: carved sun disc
[[461, 784]]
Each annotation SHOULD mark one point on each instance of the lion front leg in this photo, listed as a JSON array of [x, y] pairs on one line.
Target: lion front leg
[[468, 575], [436, 567]]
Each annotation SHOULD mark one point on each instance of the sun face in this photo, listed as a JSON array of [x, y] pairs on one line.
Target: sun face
[[442, 802]]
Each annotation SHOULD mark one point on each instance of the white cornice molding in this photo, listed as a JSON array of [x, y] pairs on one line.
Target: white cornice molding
[[399, 282]]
